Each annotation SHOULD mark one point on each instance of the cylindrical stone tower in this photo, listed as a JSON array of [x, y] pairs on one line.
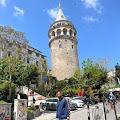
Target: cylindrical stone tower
[[63, 45]]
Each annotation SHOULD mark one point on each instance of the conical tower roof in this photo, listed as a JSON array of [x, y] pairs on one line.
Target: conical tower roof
[[60, 14]]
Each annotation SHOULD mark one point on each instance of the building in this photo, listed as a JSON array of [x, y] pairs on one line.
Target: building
[[13, 43], [63, 45]]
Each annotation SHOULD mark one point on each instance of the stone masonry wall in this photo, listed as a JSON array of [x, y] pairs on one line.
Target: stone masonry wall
[[64, 58]]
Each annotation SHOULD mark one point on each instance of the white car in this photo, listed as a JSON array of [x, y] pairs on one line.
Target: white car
[[78, 101]]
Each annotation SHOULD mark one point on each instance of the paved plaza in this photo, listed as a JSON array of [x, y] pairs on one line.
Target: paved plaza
[[96, 113]]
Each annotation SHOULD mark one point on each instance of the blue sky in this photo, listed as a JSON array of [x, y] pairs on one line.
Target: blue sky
[[97, 23]]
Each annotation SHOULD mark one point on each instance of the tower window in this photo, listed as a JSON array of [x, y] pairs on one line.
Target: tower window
[[53, 33], [65, 31], [58, 32], [74, 34], [60, 46], [70, 32], [72, 46]]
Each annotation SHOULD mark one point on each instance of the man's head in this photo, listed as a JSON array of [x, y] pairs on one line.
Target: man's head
[[59, 94]]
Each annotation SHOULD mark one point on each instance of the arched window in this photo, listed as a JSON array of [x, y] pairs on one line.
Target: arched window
[[74, 33], [53, 33], [70, 32], [65, 31], [58, 32]]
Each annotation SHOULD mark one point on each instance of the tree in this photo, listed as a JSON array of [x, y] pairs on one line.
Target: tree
[[4, 90], [21, 73], [31, 74], [94, 74], [117, 73], [48, 86]]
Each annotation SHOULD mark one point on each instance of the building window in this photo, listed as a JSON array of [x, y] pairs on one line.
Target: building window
[[42, 56], [37, 54], [58, 32], [37, 63], [70, 32], [9, 54], [29, 52], [28, 60], [65, 31], [53, 33]]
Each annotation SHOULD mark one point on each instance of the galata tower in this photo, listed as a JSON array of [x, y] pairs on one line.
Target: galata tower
[[63, 46]]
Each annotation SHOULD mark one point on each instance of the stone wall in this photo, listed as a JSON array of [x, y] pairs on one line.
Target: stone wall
[[64, 58], [5, 111]]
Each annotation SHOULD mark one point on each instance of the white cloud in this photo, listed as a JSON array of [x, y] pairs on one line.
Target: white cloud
[[18, 11], [3, 3], [90, 19], [52, 13], [95, 4]]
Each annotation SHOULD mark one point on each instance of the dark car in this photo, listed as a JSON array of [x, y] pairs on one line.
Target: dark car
[[51, 103]]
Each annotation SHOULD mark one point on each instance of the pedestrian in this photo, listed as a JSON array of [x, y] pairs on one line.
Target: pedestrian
[[112, 98], [62, 110]]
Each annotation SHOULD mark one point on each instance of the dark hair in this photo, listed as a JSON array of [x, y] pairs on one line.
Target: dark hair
[[58, 90]]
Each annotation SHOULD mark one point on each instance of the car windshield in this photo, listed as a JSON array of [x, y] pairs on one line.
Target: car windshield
[[78, 98], [51, 100]]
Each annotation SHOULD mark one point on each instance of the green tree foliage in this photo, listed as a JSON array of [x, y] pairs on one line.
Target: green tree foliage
[[48, 86], [94, 73], [21, 74], [117, 70], [91, 77], [4, 89]]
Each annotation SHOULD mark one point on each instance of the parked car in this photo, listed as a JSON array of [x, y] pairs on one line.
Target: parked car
[[78, 101], [90, 101], [51, 103]]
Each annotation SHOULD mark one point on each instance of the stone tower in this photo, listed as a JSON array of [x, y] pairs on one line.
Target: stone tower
[[63, 45]]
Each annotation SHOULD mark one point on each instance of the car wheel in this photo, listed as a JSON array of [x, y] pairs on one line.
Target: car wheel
[[44, 107]]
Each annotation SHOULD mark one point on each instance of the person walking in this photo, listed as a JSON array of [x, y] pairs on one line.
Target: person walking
[[112, 98], [62, 110]]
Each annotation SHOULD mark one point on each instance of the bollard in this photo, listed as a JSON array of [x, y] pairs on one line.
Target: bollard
[[104, 109], [115, 110], [88, 110]]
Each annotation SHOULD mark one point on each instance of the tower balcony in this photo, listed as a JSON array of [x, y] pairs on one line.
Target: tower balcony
[[72, 38]]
